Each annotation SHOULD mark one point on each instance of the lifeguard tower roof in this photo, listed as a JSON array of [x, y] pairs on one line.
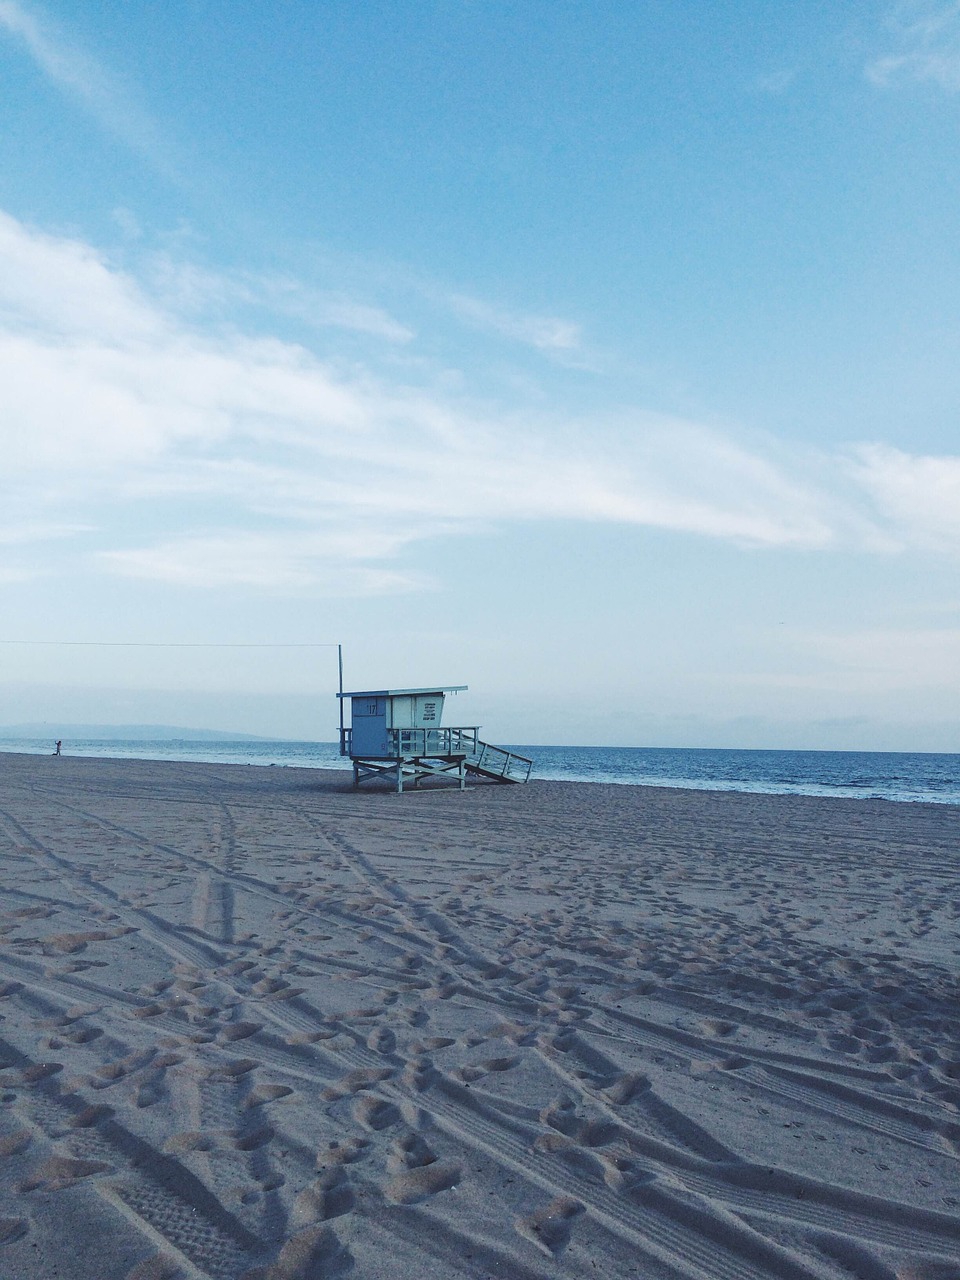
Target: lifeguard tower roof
[[403, 693]]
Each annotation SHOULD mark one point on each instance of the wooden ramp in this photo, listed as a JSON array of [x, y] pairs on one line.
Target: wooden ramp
[[497, 764]]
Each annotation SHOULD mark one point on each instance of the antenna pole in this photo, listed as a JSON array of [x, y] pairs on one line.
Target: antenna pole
[[340, 699]]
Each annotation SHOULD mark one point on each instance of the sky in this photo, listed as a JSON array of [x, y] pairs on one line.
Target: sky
[[601, 356]]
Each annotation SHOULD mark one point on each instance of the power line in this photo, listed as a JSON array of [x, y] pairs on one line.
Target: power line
[[167, 644]]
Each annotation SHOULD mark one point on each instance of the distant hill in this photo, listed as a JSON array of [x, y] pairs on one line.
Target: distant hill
[[127, 733]]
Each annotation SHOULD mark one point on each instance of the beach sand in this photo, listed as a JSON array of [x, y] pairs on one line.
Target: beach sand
[[254, 1024]]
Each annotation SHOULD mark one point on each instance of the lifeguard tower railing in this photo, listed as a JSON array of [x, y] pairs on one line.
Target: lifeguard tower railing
[[453, 743]]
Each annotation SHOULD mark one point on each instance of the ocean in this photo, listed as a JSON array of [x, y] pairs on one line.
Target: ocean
[[889, 775]]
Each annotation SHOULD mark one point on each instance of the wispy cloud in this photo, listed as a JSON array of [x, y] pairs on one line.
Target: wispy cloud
[[917, 498], [558, 339], [876, 660], [276, 467], [548, 334], [73, 71], [15, 535], [23, 544], [10, 574], [275, 562], [191, 289], [925, 35], [68, 67], [775, 82]]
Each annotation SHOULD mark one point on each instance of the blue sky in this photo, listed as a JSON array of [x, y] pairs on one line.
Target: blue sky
[[604, 357]]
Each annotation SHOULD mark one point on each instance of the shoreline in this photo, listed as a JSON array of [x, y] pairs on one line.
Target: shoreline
[[660, 785], [257, 1026]]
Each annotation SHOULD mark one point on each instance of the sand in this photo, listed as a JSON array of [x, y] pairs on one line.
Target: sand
[[254, 1024]]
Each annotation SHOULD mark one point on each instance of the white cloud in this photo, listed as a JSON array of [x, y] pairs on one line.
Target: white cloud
[[323, 309], [558, 339], [882, 660], [58, 287], [13, 535], [775, 82], [66, 66], [926, 36], [211, 432], [942, 69], [18, 537], [545, 333], [83, 78], [128, 222], [192, 289], [281, 562], [918, 498]]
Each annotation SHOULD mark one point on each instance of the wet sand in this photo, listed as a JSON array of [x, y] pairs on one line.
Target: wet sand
[[254, 1024]]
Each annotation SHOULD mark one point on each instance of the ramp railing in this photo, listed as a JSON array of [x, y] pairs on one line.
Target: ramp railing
[[433, 742], [498, 762]]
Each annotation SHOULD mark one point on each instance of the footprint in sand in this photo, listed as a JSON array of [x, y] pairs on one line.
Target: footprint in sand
[[312, 1037], [40, 1071], [431, 1043], [90, 1116], [517, 1032], [192, 1140], [419, 1074], [626, 1088], [62, 1171], [159, 1267], [315, 1251], [232, 1069], [549, 1227], [11, 1144], [253, 1139], [263, 1093], [329, 1197], [499, 1064], [562, 1116], [239, 1031], [374, 1113], [354, 1081], [150, 1091], [598, 1133], [82, 1035], [410, 1186], [340, 1153], [269, 986], [12, 1229], [108, 1073], [411, 1151], [382, 1040], [718, 1027]]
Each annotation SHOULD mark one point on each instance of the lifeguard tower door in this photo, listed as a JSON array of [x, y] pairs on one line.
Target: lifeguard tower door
[[369, 717]]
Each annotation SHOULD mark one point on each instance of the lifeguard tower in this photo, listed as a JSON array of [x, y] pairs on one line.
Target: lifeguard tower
[[396, 735]]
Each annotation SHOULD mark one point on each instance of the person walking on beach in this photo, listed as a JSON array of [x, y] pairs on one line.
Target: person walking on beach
[[56, 750]]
